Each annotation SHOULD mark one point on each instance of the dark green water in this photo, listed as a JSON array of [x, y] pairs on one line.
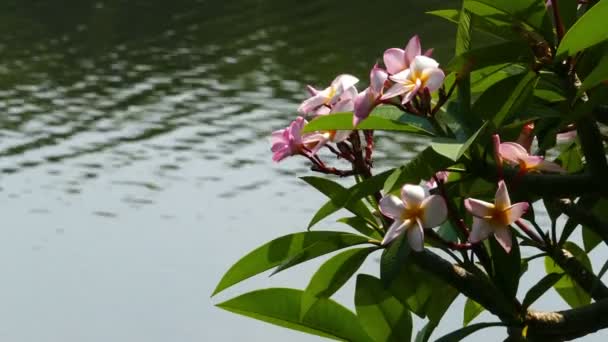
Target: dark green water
[[134, 153]]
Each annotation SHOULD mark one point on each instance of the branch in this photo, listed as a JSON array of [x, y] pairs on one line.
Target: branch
[[585, 217], [567, 324], [474, 286], [584, 278]]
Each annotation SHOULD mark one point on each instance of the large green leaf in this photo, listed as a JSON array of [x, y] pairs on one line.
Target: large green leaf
[[361, 226], [319, 248], [597, 75], [393, 258], [540, 288], [337, 192], [590, 239], [507, 52], [404, 123], [454, 149], [383, 316], [460, 334], [422, 166], [333, 274], [490, 21], [588, 30], [566, 287], [276, 252], [355, 193], [472, 309], [281, 306], [506, 266], [531, 13], [506, 97], [424, 334]]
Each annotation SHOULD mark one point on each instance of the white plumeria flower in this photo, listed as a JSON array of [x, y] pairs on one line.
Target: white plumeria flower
[[329, 96], [495, 218], [413, 212], [516, 154], [423, 73]]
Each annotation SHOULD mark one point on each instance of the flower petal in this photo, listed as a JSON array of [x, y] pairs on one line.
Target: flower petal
[[550, 167], [364, 103], [395, 230], [434, 211], [479, 208], [345, 105], [415, 236], [395, 90], [312, 90], [421, 63], [515, 212], [433, 78], [341, 135], [281, 154], [394, 60], [502, 200], [377, 77], [391, 206], [343, 82], [412, 92], [412, 195], [402, 77], [512, 152], [412, 49], [481, 230], [503, 236], [310, 104]]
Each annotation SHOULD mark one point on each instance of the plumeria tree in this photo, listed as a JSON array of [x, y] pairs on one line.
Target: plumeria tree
[[508, 125]]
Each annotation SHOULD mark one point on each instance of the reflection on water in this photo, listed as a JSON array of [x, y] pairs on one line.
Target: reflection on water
[[134, 152]]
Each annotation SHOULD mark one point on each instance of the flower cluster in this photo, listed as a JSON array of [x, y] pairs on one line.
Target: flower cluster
[[406, 74]]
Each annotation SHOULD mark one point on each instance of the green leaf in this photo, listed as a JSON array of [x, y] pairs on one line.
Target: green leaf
[[472, 309], [508, 52], [460, 334], [571, 158], [530, 13], [597, 75], [566, 287], [333, 274], [383, 316], [393, 258], [281, 306], [355, 193], [331, 244], [344, 121], [361, 226], [588, 30], [540, 288], [275, 252], [423, 166], [590, 239], [337, 193], [425, 333], [506, 266]]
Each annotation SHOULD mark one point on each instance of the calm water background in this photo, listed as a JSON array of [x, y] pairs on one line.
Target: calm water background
[[134, 155]]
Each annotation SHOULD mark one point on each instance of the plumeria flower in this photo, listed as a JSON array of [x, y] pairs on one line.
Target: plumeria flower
[[526, 137], [397, 60], [290, 141], [516, 154], [343, 84], [368, 99], [423, 73], [413, 212], [495, 218], [442, 176]]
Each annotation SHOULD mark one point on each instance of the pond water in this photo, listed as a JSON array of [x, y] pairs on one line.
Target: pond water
[[134, 155]]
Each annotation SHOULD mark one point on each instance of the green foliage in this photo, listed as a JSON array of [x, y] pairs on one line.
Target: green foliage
[[284, 249], [281, 307], [472, 309], [540, 288], [423, 166], [566, 287], [460, 334], [587, 31], [506, 267], [383, 317]]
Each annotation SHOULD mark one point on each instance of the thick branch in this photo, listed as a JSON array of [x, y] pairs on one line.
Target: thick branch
[[472, 285], [587, 280], [568, 324]]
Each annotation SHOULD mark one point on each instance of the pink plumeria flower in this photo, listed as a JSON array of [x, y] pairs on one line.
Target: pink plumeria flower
[[328, 96], [495, 218], [516, 154], [290, 141], [397, 60], [423, 73], [413, 212], [526, 137], [442, 176], [368, 99], [566, 137]]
